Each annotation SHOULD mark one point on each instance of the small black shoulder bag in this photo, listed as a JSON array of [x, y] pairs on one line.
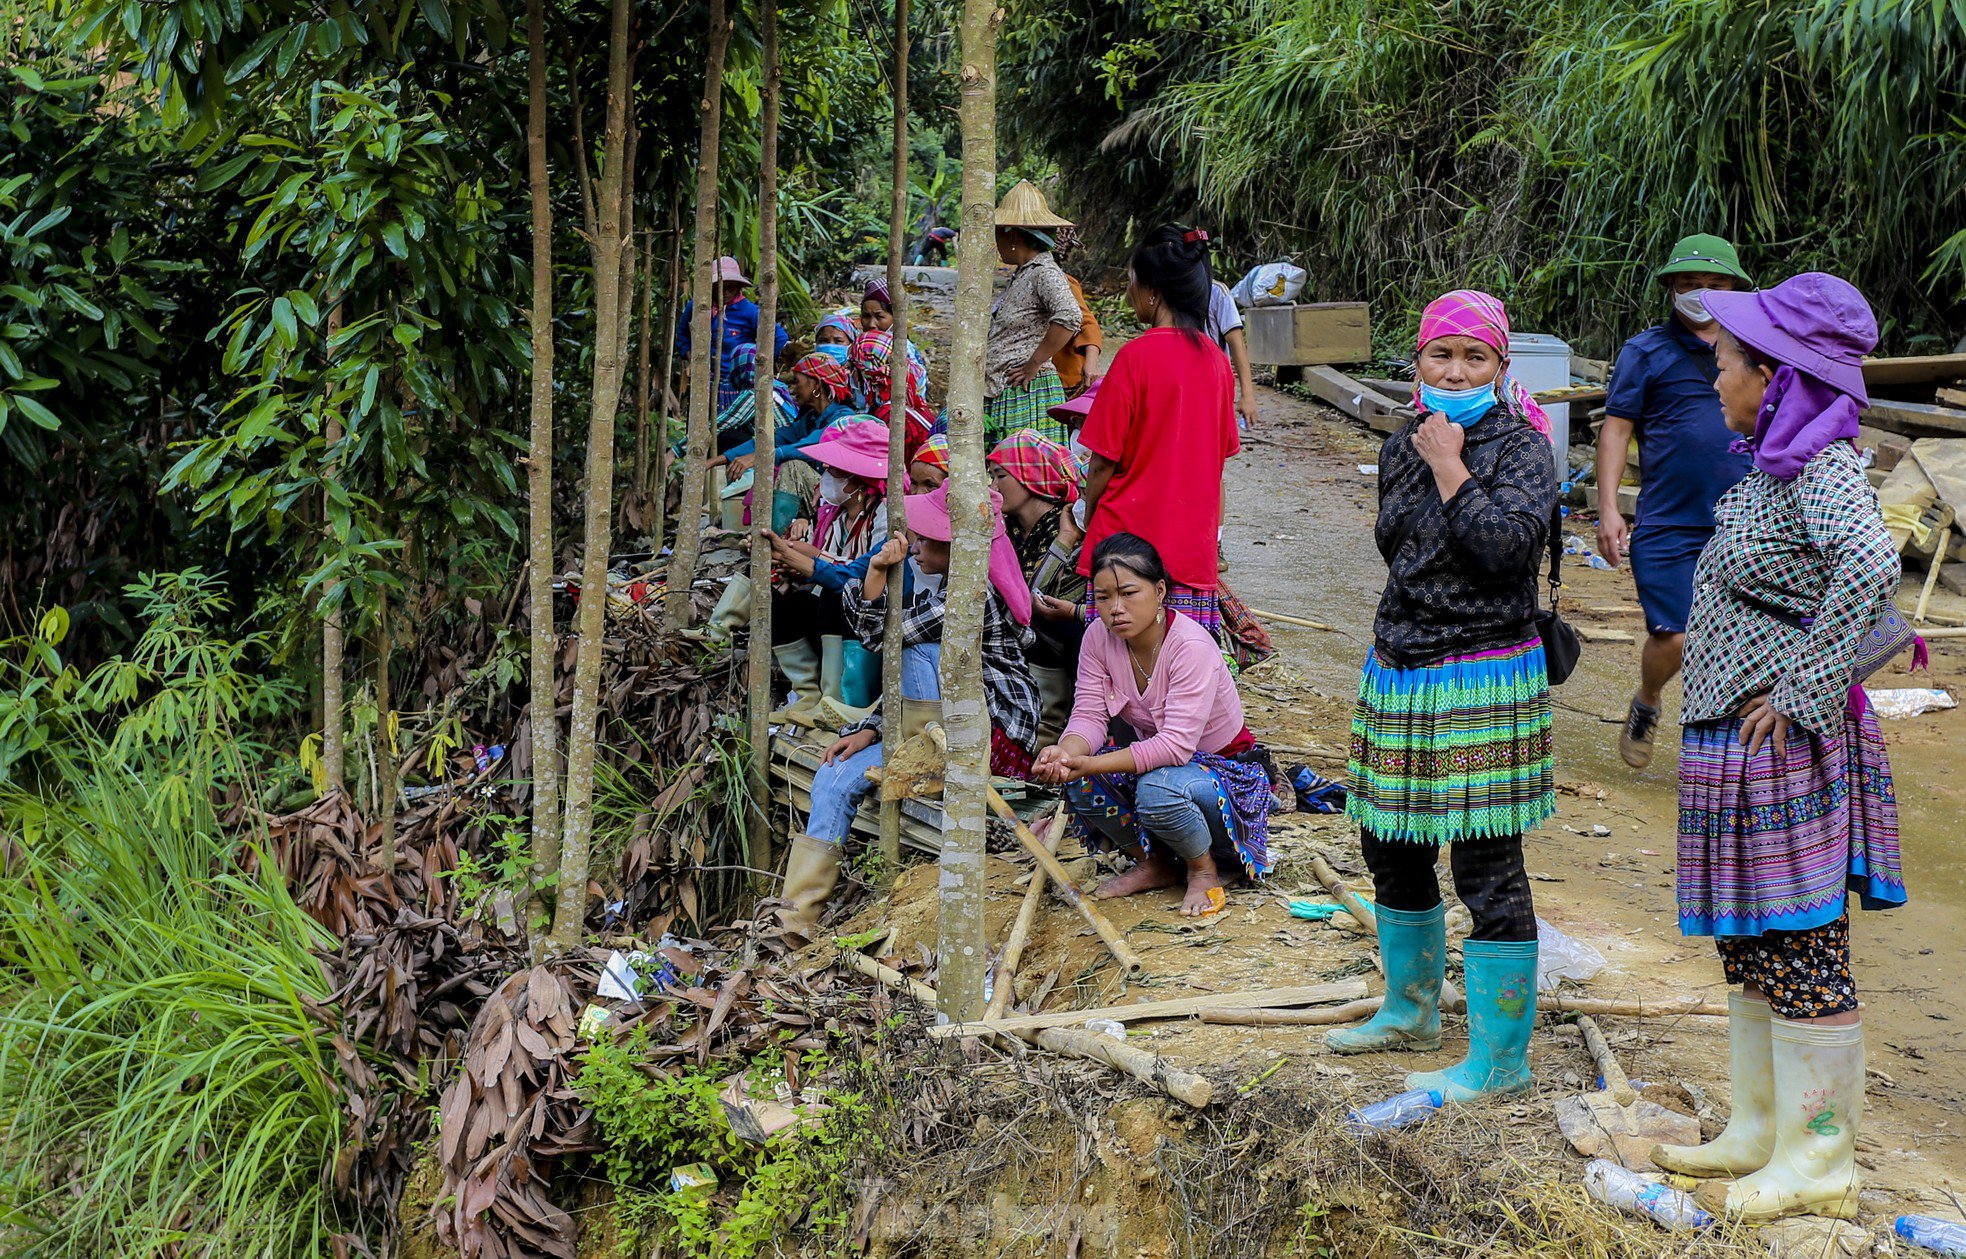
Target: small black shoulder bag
[[1561, 646]]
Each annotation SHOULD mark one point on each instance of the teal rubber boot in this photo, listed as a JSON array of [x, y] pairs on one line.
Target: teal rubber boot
[[860, 675], [1501, 1012], [1414, 948]]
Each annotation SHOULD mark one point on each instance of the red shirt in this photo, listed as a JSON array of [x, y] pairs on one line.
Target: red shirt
[[1166, 414]]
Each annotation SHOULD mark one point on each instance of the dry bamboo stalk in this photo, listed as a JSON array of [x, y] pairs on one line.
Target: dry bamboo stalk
[[1027, 913], [1932, 573], [1355, 905], [1286, 619], [889, 976], [1550, 1002], [1182, 1086], [1350, 1012], [1616, 1083], [1172, 1008], [1115, 942]]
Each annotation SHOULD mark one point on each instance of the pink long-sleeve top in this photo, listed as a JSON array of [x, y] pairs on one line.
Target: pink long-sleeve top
[[1189, 706]]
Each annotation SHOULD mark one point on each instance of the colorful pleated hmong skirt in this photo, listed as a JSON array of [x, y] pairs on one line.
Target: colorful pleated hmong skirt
[[1242, 801], [1025, 406], [1769, 844], [1456, 750]]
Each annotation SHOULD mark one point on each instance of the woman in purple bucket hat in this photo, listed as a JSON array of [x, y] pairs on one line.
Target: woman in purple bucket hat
[[1785, 798]]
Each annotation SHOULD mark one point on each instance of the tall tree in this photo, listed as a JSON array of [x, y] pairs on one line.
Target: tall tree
[[659, 465], [897, 410], [539, 474], [764, 478], [706, 356], [613, 225], [334, 644], [962, 955]]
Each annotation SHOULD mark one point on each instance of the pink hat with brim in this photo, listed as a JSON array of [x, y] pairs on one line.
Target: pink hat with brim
[[1813, 322], [859, 450], [928, 517], [728, 272], [1072, 413]]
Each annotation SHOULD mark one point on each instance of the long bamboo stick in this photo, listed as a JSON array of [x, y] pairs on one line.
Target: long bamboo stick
[[1616, 1082], [889, 976], [1027, 913], [1286, 619], [1115, 942], [1151, 1069], [1552, 1002], [1336, 990]]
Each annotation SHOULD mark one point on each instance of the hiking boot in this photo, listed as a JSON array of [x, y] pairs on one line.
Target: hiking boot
[[1636, 736]]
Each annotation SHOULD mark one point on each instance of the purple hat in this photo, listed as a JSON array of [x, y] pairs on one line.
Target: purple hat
[[860, 449], [1072, 413], [1813, 322]]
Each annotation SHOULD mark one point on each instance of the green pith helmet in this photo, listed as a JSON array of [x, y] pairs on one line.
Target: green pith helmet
[[1703, 252]]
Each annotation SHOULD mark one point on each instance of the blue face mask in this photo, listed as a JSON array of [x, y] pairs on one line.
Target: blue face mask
[[1460, 406]]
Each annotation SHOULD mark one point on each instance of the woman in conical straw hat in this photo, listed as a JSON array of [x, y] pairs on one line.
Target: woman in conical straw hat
[[1035, 317]]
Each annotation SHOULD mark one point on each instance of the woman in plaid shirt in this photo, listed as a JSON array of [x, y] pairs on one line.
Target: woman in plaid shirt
[[1785, 796]]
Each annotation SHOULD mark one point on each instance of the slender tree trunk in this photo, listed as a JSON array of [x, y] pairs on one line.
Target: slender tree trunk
[[671, 314], [764, 481], [962, 952], [705, 353], [544, 705], [385, 737], [642, 356], [583, 730], [334, 646], [897, 405]]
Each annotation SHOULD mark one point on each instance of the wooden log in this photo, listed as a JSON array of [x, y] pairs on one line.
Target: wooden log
[[1353, 903], [1357, 400], [1027, 913], [1554, 1003], [1115, 942], [1173, 1008], [1616, 1083], [1919, 369], [1350, 1012], [1150, 1069], [1284, 618], [1932, 574], [889, 976], [1921, 419]]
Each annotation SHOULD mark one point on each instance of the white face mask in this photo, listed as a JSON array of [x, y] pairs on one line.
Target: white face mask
[[834, 488], [1691, 308]]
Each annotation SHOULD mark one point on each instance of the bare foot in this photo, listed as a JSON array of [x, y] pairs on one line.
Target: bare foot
[[1205, 895], [1143, 876]]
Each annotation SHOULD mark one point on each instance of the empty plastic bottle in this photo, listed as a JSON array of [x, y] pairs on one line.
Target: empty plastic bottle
[[1942, 1236], [1628, 1191], [1401, 1111]]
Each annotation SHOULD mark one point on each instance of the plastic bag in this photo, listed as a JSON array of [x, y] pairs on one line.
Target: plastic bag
[[1560, 957], [1909, 701], [1272, 284]]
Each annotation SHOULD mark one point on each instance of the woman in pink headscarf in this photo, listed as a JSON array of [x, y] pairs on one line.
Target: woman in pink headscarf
[[1451, 733]]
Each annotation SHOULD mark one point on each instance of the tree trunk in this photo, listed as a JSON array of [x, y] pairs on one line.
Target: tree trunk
[[334, 645], [385, 738], [544, 705], [643, 353], [897, 363], [583, 730], [757, 853], [671, 313], [706, 357], [962, 951]]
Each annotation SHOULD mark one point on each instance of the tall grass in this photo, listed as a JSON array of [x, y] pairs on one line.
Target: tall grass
[[163, 1089]]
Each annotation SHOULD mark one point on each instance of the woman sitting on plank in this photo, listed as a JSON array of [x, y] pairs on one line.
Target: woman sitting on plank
[[1038, 480], [1187, 785], [922, 561]]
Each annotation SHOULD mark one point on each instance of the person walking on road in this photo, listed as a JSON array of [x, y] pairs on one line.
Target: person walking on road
[[1662, 392], [1451, 736]]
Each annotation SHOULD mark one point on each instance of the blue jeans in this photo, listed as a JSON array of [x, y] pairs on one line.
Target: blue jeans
[[838, 789], [1176, 805]]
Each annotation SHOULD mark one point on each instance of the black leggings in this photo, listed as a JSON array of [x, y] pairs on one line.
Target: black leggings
[[1488, 876], [808, 612]]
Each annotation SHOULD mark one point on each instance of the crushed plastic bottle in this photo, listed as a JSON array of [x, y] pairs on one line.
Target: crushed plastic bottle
[[1941, 1236], [1628, 1191], [1403, 1110], [1106, 1027]]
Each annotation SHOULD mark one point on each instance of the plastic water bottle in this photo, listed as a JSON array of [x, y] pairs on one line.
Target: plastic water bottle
[[1401, 1111], [1942, 1236], [1628, 1191]]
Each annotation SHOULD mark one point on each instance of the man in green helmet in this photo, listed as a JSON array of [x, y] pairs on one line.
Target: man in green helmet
[[1662, 393]]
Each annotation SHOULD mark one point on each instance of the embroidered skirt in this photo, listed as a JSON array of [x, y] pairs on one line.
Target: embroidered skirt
[[1242, 794], [1456, 750], [1769, 844], [1025, 406]]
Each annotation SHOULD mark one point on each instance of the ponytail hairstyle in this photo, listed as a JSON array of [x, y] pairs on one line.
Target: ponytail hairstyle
[[1173, 261]]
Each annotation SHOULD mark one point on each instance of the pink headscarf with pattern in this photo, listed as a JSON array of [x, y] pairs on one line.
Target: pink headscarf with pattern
[[1473, 313]]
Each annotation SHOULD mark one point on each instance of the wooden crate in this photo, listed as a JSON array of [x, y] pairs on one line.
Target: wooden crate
[[1309, 333]]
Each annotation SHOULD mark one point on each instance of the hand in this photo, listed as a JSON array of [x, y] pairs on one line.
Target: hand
[[716, 461], [793, 557], [1246, 408], [1760, 723], [801, 530], [1069, 533], [892, 552], [847, 746], [1054, 609], [1056, 766], [1026, 372], [740, 465], [1613, 537], [1438, 441]]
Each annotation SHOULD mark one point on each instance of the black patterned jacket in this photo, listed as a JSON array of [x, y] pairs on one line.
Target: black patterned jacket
[[1463, 575]]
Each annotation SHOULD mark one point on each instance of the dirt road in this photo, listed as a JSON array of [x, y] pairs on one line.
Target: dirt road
[[1299, 541]]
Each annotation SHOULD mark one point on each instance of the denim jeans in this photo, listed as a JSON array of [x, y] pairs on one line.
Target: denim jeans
[[837, 789], [1176, 805]]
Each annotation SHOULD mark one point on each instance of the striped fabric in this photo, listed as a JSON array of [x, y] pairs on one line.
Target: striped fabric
[[1455, 750], [1767, 845], [1026, 406]]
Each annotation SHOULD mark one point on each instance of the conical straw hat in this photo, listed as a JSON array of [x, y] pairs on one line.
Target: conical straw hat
[[1024, 206]]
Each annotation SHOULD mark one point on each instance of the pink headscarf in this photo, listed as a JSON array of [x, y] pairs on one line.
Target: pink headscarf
[[1473, 313], [928, 517]]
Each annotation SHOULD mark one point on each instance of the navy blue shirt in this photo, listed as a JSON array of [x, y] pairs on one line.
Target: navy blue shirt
[[735, 325], [1663, 384]]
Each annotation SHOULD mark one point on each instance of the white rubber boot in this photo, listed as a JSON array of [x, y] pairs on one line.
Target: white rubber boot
[[800, 665], [1819, 1102], [1749, 1139]]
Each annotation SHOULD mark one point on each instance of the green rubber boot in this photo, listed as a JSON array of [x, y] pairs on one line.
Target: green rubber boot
[[860, 675], [1414, 948], [1501, 1012]]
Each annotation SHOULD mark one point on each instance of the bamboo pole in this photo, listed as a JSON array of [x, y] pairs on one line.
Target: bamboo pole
[[1286, 619], [758, 839], [1103, 926], [1150, 1069], [1005, 975], [1549, 1002], [887, 975], [897, 424], [1616, 1083], [671, 316]]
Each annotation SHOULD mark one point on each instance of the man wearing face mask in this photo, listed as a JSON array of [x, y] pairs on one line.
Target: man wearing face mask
[[1662, 393]]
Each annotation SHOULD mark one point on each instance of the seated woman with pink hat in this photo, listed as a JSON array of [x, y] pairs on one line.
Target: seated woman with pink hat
[[808, 618], [922, 560]]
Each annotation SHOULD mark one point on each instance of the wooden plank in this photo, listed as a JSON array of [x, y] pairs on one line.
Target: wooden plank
[[1356, 399], [1952, 397], [1580, 395], [1923, 369], [1176, 1008], [1919, 419], [1309, 333]]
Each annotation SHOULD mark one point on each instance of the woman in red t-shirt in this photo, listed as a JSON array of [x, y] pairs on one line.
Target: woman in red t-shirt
[[1164, 424]]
